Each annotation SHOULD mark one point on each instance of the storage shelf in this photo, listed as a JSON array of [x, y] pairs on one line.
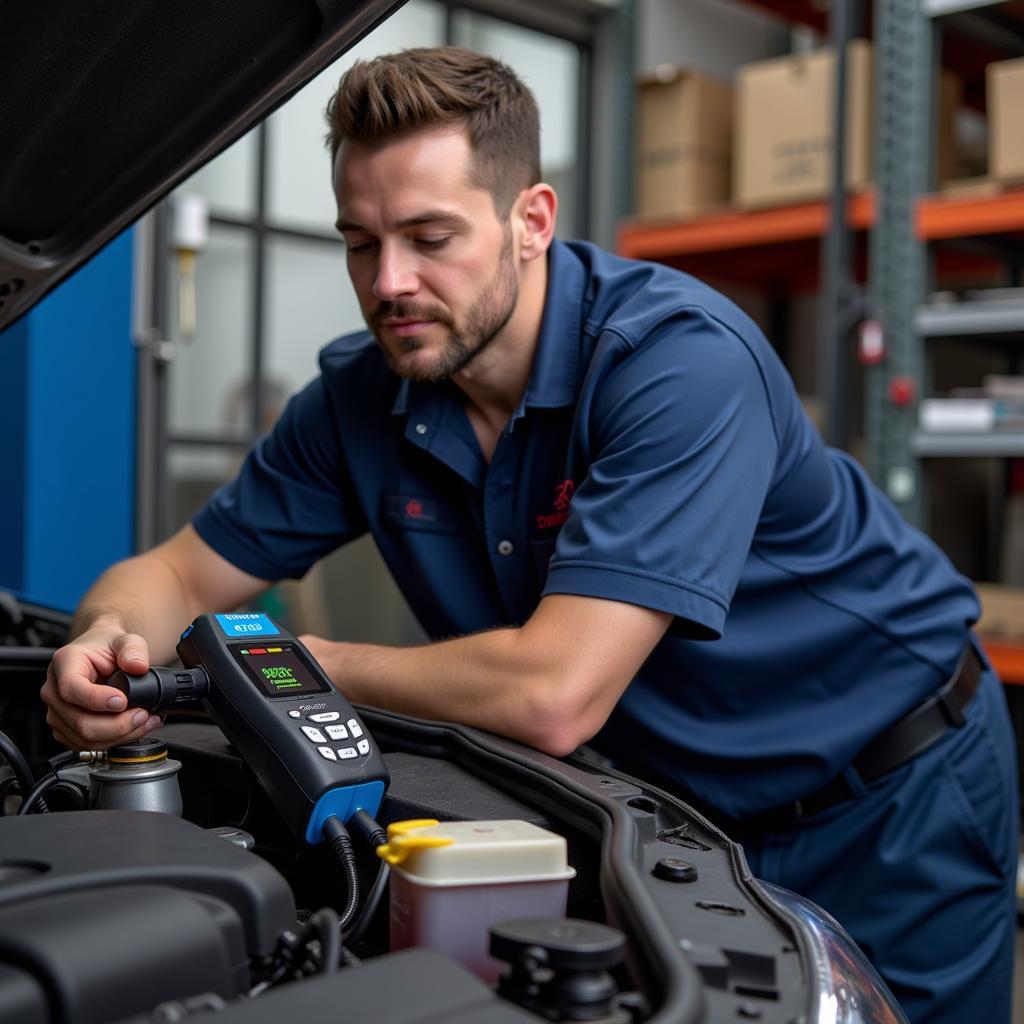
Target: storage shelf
[[781, 243], [960, 319], [1007, 659], [981, 445], [985, 31], [940, 216], [737, 229]]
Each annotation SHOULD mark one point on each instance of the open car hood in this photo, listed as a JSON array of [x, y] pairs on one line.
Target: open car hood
[[107, 105]]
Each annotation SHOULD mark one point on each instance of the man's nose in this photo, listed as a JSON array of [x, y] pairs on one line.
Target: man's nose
[[396, 274]]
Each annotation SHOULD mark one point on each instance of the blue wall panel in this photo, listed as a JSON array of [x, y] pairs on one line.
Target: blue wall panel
[[77, 480], [13, 423]]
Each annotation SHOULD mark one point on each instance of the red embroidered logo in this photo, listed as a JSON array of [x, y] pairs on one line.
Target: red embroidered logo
[[563, 498], [563, 495], [413, 509]]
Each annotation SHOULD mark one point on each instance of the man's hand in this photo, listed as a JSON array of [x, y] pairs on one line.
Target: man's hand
[[83, 713]]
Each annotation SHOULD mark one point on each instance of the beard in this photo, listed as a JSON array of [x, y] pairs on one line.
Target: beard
[[487, 315]]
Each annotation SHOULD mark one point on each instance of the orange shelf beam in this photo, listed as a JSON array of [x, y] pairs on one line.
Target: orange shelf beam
[[1007, 660], [735, 229], [940, 216]]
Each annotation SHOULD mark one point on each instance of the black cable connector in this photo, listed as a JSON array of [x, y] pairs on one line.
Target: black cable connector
[[377, 836], [337, 834], [374, 834], [65, 758], [373, 898]]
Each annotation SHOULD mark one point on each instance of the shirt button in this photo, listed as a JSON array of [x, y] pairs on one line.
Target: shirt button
[[421, 428], [505, 547]]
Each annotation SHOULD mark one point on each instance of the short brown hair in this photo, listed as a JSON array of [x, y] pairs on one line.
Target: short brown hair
[[389, 97]]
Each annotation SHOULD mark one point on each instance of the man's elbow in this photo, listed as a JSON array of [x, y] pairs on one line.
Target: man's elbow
[[562, 722]]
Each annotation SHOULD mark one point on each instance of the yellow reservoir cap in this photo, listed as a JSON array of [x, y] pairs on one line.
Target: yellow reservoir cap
[[475, 852], [403, 839]]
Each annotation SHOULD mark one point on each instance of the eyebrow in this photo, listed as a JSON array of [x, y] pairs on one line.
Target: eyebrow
[[428, 217]]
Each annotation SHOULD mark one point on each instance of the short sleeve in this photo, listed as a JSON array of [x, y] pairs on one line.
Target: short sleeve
[[292, 501], [682, 453]]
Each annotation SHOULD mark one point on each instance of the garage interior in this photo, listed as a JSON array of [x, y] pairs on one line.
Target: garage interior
[[702, 135]]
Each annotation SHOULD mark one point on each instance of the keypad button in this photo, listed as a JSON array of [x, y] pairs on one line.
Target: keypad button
[[325, 716], [354, 728], [363, 746], [314, 735], [294, 714], [345, 753], [328, 753], [337, 732]]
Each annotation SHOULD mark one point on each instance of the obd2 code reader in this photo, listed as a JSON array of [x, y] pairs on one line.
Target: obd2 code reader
[[299, 735]]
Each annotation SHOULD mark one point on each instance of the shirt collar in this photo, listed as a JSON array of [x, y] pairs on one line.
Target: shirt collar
[[553, 379], [403, 398]]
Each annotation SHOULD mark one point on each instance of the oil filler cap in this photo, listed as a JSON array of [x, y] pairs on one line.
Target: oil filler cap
[[147, 750]]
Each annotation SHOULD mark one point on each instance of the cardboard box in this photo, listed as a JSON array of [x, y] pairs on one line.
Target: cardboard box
[[684, 139], [1002, 611], [784, 140], [1005, 84], [971, 188], [784, 127]]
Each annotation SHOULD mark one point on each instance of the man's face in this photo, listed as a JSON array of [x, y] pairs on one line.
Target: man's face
[[434, 269]]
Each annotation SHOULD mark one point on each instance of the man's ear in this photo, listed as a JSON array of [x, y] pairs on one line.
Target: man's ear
[[537, 210]]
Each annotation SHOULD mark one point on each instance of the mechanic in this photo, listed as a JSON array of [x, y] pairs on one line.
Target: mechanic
[[595, 475]]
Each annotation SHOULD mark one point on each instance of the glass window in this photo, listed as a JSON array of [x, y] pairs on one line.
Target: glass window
[[551, 69], [208, 374], [310, 300], [194, 473], [299, 183], [228, 181]]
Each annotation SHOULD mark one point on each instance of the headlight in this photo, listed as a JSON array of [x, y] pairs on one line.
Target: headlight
[[850, 990]]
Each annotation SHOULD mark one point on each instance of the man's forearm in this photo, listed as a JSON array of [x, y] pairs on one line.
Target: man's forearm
[[550, 683], [490, 680]]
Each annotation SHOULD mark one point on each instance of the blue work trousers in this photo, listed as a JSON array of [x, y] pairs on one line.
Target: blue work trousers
[[920, 869]]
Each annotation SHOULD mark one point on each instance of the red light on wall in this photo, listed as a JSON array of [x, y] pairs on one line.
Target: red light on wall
[[902, 391]]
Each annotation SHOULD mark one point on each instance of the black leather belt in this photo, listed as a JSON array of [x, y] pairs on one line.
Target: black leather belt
[[914, 733]]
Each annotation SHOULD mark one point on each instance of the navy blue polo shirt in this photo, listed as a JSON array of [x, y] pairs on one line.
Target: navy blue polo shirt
[[659, 457]]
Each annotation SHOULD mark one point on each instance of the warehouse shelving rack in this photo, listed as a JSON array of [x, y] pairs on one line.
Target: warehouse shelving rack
[[903, 267], [901, 229]]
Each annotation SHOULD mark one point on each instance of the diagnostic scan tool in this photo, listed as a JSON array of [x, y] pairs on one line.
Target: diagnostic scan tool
[[299, 735]]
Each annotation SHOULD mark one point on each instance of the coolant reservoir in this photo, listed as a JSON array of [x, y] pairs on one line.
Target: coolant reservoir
[[450, 882]]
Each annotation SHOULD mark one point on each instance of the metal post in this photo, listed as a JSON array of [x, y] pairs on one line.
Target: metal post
[[904, 77], [839, 294], [150, 333]]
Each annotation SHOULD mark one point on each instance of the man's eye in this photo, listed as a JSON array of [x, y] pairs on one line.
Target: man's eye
[[358, 248], [433, 243]]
